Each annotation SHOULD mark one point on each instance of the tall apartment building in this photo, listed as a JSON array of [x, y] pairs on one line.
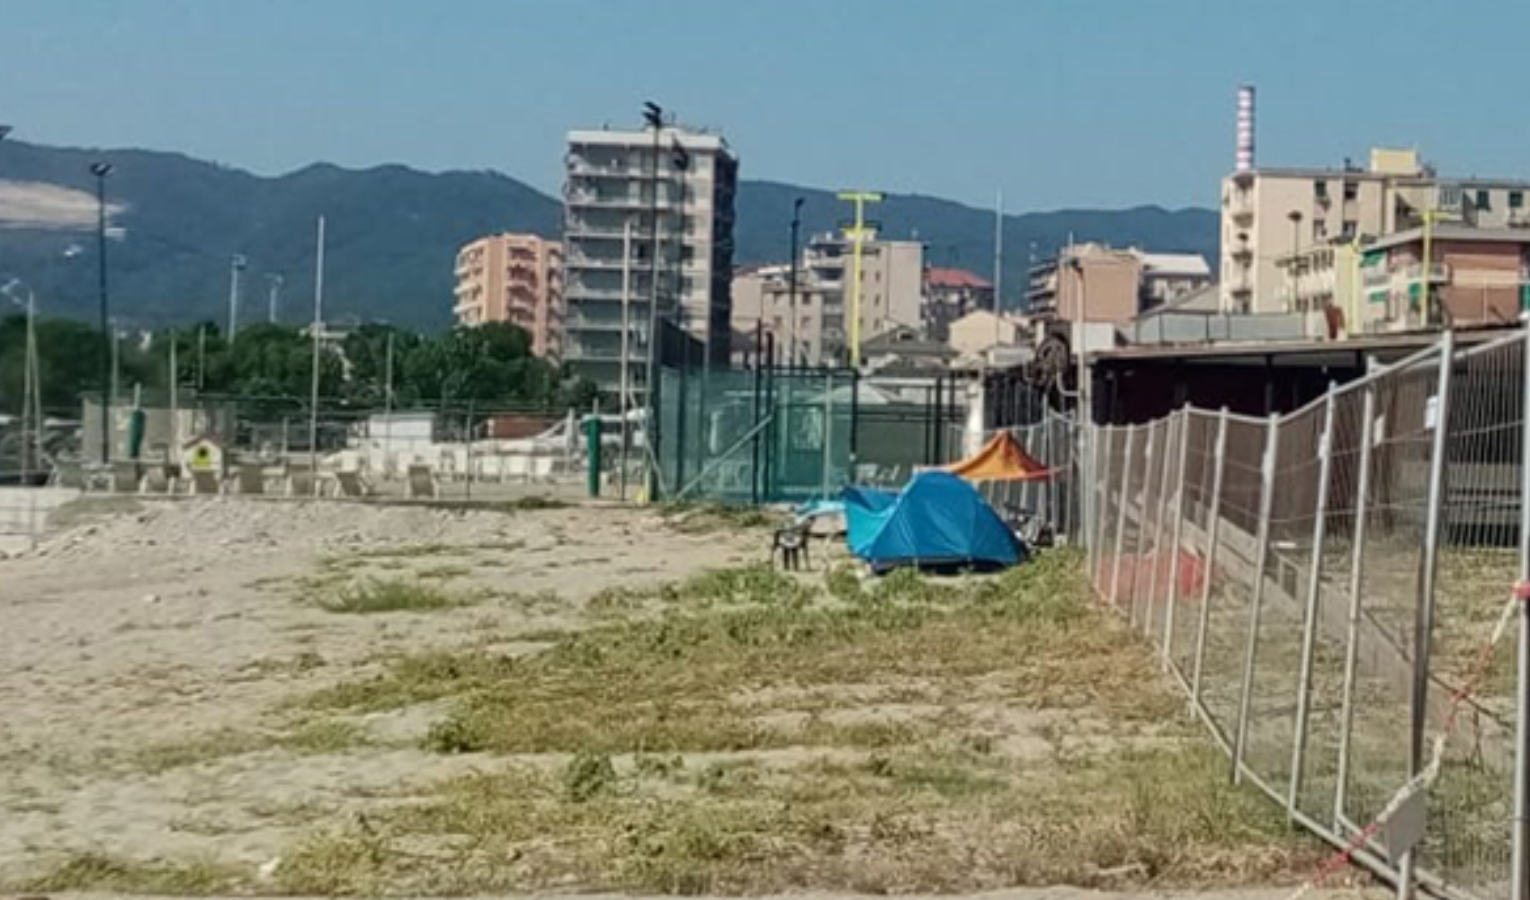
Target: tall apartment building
[[670, 194], [516, 278], [1273, 218], [892, 286]]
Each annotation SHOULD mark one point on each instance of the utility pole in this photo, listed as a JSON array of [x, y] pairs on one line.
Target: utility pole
[[791, 282], [653, 117], [236, 265], [316, 328], [271, 298], [626, 383], [100, 170], [998, 263], [857, 234]]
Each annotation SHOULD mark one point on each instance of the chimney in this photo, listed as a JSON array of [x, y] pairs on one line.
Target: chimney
[[1245, 161]]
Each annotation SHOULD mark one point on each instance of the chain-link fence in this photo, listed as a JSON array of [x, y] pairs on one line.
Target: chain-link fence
[[1331, 588], [775, 434]]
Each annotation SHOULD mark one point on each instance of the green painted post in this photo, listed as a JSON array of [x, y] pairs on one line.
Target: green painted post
[[592, 449]]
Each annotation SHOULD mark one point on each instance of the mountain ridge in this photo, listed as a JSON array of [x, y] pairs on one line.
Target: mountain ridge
[[393, 231]]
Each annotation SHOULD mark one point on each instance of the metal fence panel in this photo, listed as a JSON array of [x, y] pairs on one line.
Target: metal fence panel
[[1288, 567]]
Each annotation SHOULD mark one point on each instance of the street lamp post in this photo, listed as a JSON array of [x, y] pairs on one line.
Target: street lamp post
[[653, 117], [791, 279], [1295, 216], [101, 170]]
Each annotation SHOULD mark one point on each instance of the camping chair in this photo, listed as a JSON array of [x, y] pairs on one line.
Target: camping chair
[[422, 481], [790, 542], [155, 481], [352, 485], [204, 482], [251, 479], [124, 477], [68, 473]]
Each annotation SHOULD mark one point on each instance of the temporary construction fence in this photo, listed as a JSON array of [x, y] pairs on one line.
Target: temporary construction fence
[[1332, 589]]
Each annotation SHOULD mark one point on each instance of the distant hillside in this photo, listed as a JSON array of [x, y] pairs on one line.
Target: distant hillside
[[962, 236], [393, 232]]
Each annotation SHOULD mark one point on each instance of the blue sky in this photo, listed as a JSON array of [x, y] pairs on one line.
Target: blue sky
[[1057, 102]]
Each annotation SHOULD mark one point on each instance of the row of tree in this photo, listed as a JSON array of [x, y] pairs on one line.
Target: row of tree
[[491, 365]]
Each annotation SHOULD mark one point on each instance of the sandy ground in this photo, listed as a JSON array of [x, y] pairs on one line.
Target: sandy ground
[[171, 620], [161, 623]]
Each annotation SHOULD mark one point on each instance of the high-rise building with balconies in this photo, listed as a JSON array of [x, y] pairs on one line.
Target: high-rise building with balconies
[[667, 196], [515, 278]]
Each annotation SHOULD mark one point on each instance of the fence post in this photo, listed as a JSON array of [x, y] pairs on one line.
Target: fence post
[[1104, 438], [1423, 609], [1177, 536], [1309, 618], [1170, 454], [1126, 485], [1356, 582], [1520, 882], [1261, 558], [1151, 430], [1208, 568]]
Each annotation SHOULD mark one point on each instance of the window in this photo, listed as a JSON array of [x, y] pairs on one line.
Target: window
[[1320, 190], [1319, 229], [1349, 229], [1351, 190], [1482, 200], [1516, 199]]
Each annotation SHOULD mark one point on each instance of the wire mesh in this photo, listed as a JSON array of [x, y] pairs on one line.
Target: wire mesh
[[1198, 472], [1328, 658], [1390, 561], [1232, 565], [1471, 807]]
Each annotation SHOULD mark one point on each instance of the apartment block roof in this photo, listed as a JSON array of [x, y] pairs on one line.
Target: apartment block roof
[[1448, 231], [936, 276]]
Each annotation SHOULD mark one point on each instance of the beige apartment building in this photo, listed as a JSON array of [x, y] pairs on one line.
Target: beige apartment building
[[516, 278], [1475, 276], [1096, 283], [892, 285], [1274, 219]]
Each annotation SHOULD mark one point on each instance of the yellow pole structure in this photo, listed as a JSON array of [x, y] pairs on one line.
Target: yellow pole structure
[[1426, 264], [857, 235], [1353, 324]]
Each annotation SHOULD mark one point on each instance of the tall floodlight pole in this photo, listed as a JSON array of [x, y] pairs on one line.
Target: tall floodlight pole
[[791, 282], [625, 400], [998, 263], [316, 328], [100, 170], [653, 117], [272, 296], [235, 267], [857, 234]]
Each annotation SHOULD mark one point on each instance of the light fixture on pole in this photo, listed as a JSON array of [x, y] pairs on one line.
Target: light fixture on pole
[[101, 170]]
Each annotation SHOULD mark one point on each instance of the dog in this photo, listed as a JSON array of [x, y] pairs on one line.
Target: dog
[[792, 545]]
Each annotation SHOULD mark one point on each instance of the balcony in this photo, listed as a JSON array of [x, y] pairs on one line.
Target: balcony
[[1439, 273], [1240, 204]]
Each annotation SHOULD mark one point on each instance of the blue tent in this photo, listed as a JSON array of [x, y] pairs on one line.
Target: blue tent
[[939, 520]]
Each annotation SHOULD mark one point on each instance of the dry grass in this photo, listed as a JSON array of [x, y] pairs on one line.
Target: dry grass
[[896, 823], [316, 736], [893, 780], [389, 595], [99, 872]]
